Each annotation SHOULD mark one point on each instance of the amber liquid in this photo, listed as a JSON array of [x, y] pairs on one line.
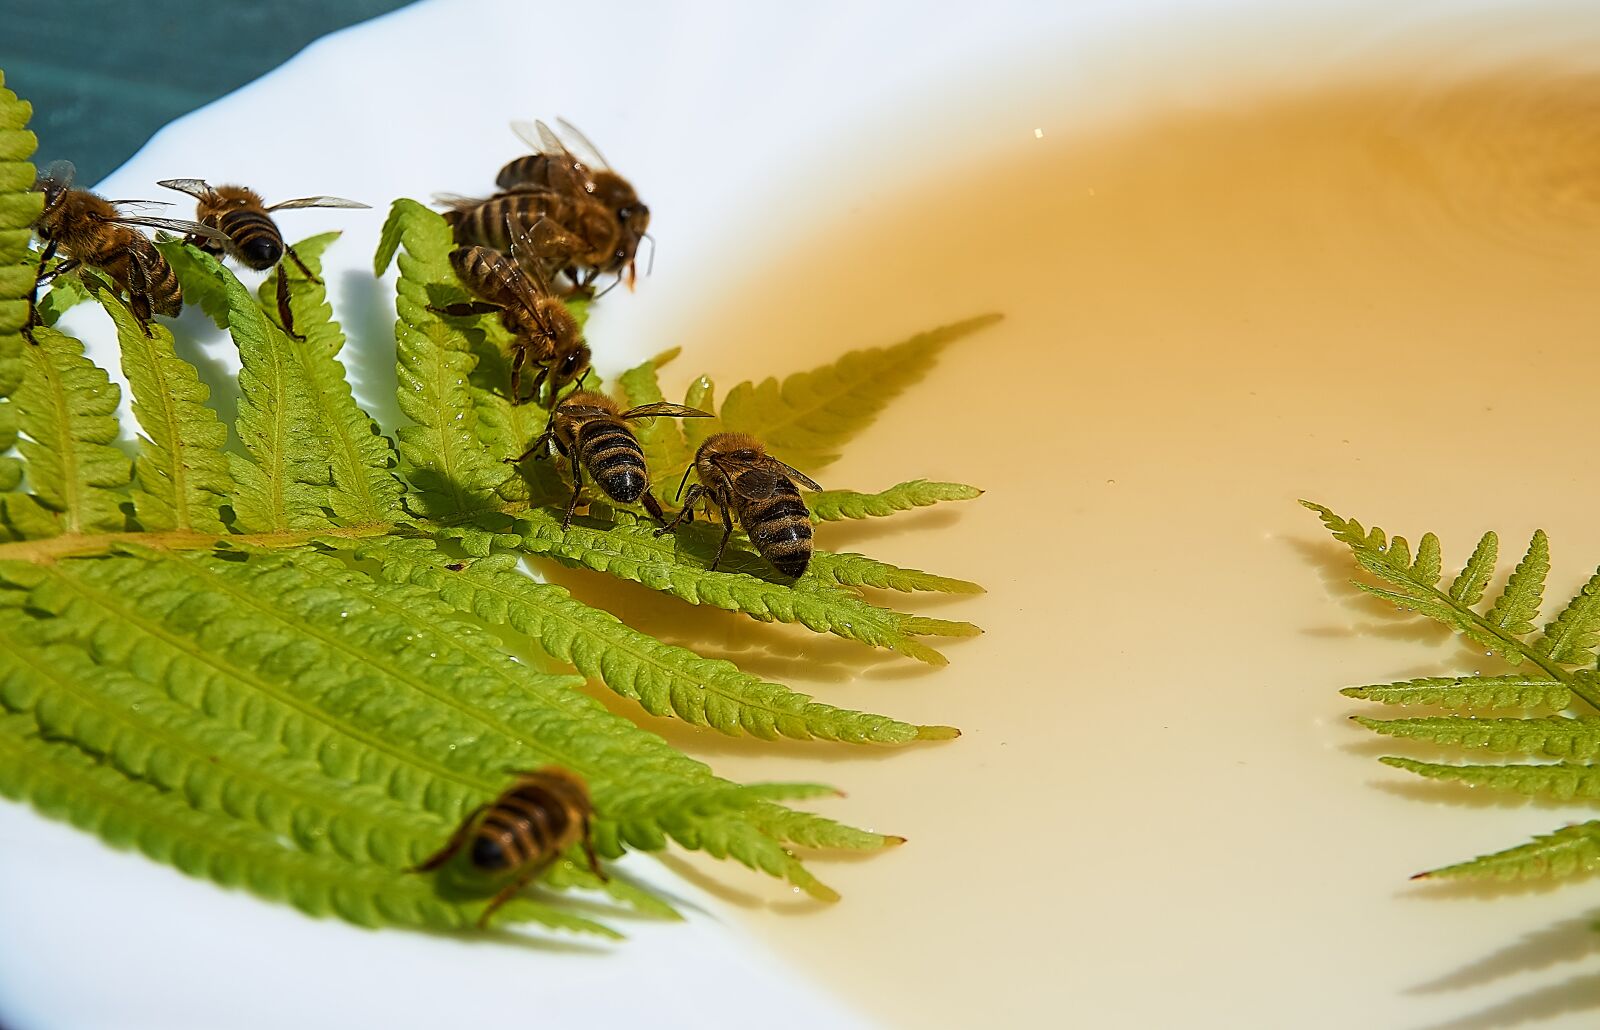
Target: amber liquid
[[1384, 296]]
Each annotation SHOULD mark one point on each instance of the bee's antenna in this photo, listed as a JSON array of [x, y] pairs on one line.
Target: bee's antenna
[[650, 266], [681, 484]]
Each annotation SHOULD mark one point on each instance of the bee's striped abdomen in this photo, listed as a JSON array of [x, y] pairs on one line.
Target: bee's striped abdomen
[[524, 824], [166, 296], [611, 454], [780, 528], [527, 170], [255, 237]]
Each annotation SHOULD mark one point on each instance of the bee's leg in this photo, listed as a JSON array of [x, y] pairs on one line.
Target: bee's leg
[[685, 513], [462, 309], [538, 384], [653, 506], [139, 292], [451, 846], [519, 357], [285, 313], [536, 450], [727, 531], [588, 852], [39, 280], [300, 265], [577, 490], [511, 889]]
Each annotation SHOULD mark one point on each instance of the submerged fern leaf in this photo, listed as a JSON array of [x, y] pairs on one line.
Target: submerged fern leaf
[[663, 679], [810, 416], [181, 476], [1468, 693], [68, 407]]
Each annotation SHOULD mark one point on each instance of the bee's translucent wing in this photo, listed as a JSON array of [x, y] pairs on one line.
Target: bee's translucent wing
[[529, 133], [181, 225], [55, 179], [457, 202], [526, 277], [662, 408], [141, 203], [286, 205], [587, 151], [795, 474], [565, 170], [196, 188]]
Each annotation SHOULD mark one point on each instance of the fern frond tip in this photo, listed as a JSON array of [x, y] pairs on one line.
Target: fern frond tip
[[937, 733]]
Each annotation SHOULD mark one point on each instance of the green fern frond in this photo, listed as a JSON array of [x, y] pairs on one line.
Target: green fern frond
[[1570, 851], [702, 394], [283, 482], [1468, 587], [181, 477], [834, 505], [134, 725], [64, 782], [362, 489], [1412, 587], [663, 679], [1563, 781], [1468, 693], [1555, 736], [857, 570], [308, 698], [663, 440], [1571, 637], [452, 472], [68, 407], [634, 552], [19, 206], [1518, 604]]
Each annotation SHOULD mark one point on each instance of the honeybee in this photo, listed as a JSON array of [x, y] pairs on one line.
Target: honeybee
[[578, 191], [589, 429], [738, 476], [91, 231], [583, 236], [523, 831], [543, 330], [249, 235]]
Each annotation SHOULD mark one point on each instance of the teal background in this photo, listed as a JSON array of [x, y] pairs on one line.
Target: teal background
[[103, 77]]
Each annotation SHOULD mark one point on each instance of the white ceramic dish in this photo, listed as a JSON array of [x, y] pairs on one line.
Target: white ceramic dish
[[740, 123]]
